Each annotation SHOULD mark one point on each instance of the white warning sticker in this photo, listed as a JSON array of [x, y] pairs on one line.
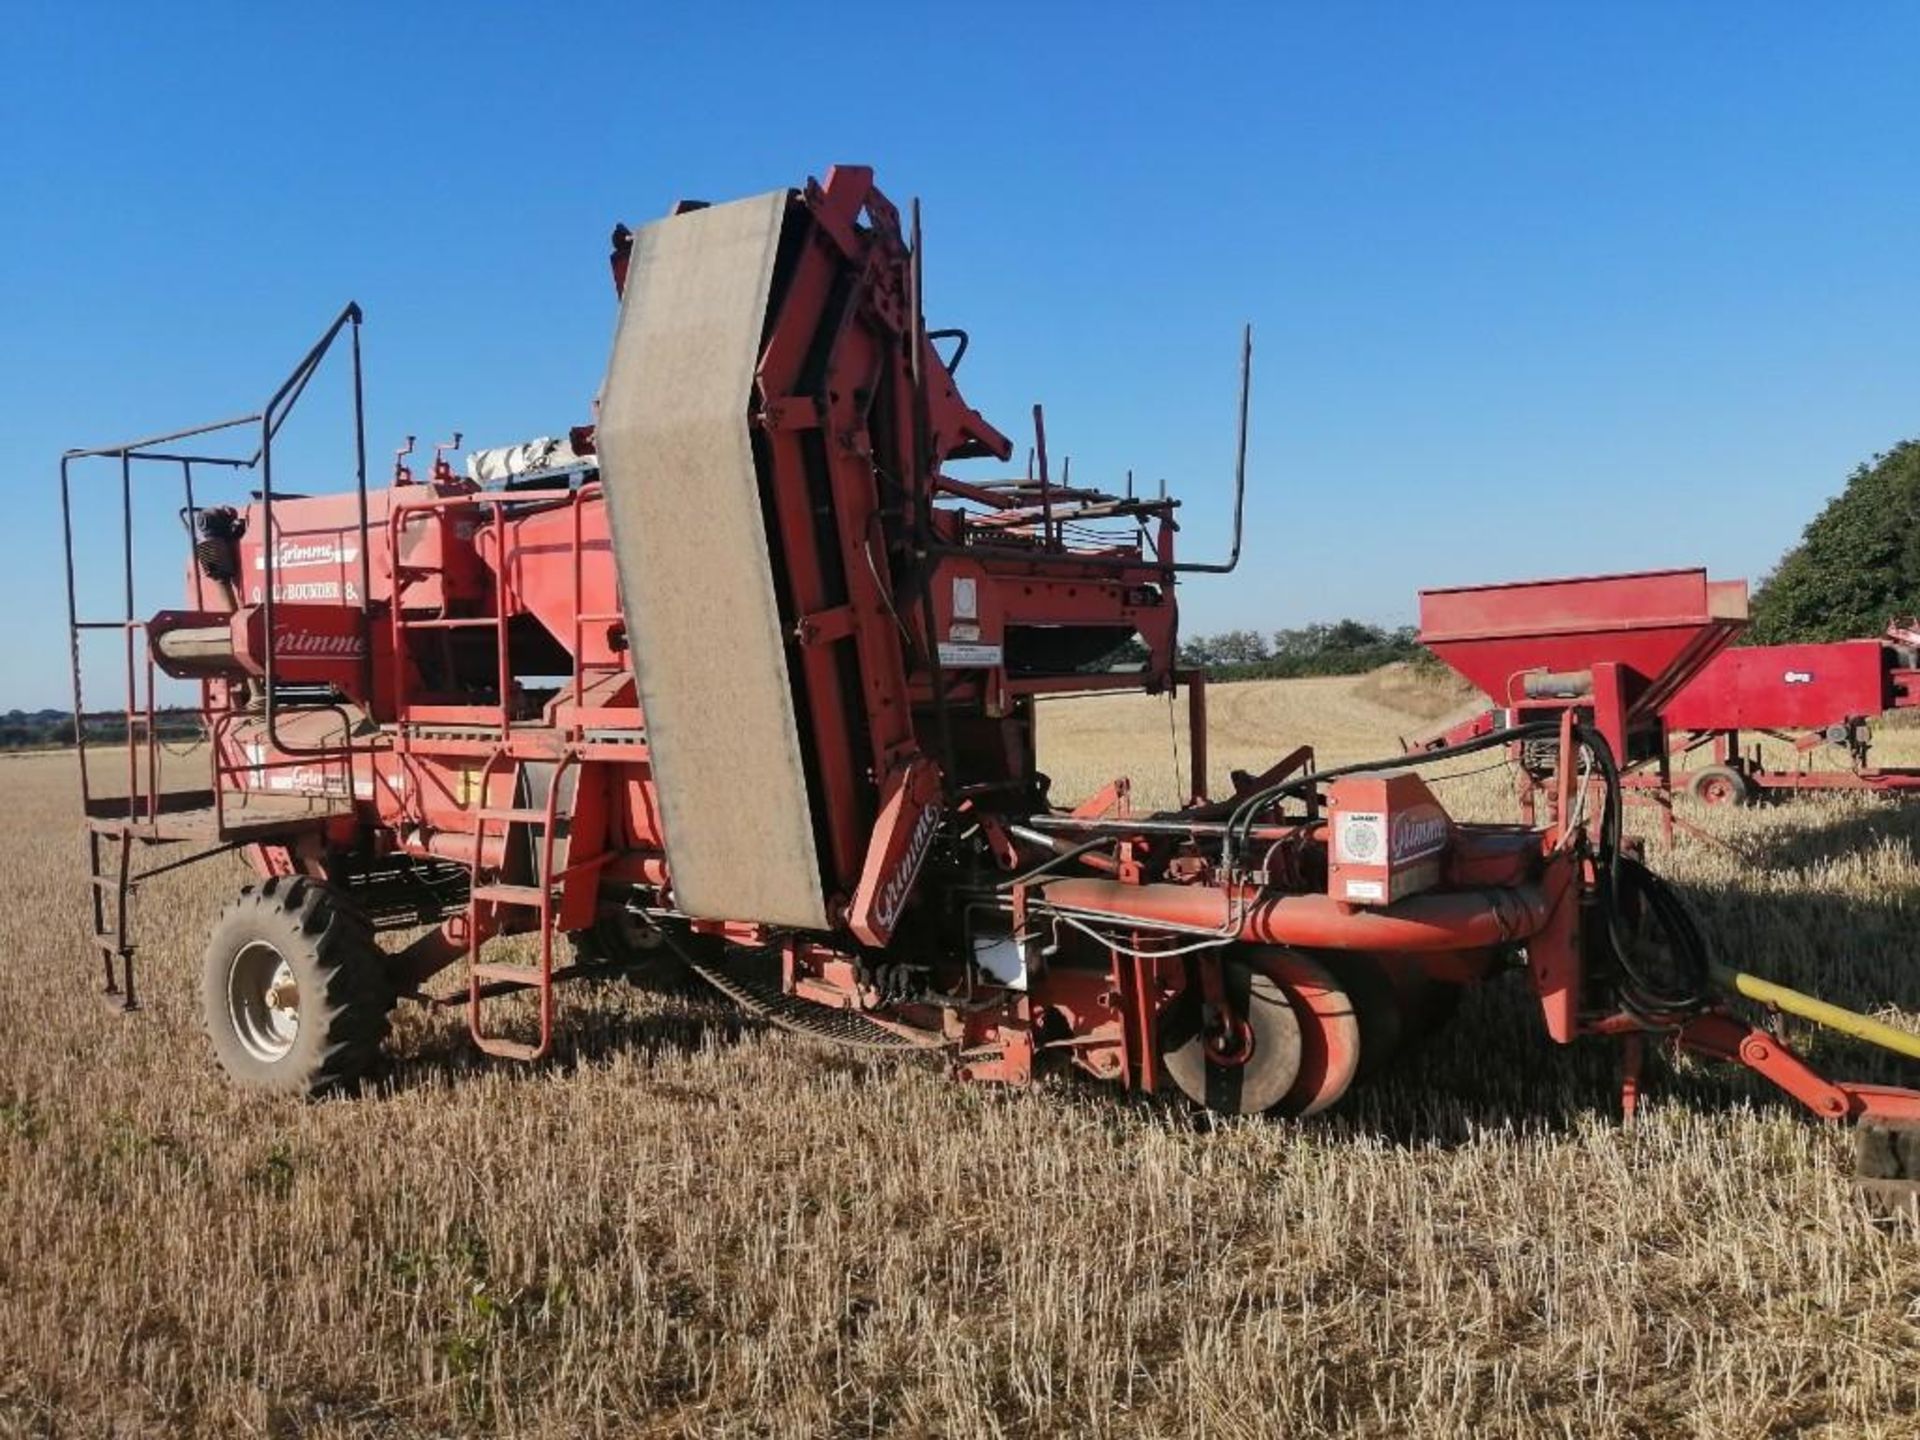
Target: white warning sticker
[[969, 657], [1359, 835]]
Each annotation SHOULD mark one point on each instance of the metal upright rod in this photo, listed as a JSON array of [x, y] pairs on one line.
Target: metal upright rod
[[126, 548], [1239, 465], [360, 478], [193, 521], [1046, 487], [269, 543], [73, 633], [500, 601]]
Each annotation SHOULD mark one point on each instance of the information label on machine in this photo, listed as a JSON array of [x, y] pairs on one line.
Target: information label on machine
[[1359, 836], [969, 657]]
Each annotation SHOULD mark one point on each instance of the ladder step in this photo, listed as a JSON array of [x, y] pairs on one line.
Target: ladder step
[[529, 896], [109, 943], [513, 816], [449, 622], [488, 970], [508, 1049]]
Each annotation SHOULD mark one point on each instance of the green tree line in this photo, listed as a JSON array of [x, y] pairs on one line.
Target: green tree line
[[1857, 564], [1341, 647], [39, 729]]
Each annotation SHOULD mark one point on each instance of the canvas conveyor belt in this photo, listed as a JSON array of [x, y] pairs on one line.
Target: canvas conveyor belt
[[685, 503]]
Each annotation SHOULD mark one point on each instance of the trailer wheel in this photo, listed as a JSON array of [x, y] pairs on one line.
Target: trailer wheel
[[1329, 1029], [1721, 785], [1244, 1073], [1382, 1004], [293, 990]]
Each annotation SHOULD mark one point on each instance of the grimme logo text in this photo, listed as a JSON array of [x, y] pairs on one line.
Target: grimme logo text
[[1417, 833], [893, 894], [307, 642]]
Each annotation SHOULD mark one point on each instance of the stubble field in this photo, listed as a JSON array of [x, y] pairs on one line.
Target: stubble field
[[688, 1225]]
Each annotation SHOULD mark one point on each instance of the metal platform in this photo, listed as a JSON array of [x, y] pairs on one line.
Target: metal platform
[[190, 815]]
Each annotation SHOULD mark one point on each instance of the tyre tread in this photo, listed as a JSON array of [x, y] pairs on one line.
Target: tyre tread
[[341, 949]]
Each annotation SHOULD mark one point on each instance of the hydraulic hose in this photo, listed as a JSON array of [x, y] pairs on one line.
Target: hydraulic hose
[[1246, 812], [1644, 991], [1616, 876]]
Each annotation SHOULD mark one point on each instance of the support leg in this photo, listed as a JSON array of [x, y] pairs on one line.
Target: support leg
[[1633, 1054]]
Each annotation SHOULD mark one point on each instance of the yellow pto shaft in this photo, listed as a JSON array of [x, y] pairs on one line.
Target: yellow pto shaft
[[1848, 1022]]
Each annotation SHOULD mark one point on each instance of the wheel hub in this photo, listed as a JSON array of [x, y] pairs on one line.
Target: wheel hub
[[1228, 1039], [263, 997], [1239, 1057]]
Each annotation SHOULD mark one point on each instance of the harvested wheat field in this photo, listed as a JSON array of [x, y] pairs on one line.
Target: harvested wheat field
[[689, 1225]]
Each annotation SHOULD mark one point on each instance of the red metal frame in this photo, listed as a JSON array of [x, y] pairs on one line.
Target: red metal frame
[[1812, 697]]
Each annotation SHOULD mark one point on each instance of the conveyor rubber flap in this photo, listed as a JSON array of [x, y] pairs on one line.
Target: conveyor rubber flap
[[696, 574]]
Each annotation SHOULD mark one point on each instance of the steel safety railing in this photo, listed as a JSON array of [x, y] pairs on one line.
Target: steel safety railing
[[334, 765], [500, 614], [141, 730], [159, 449]]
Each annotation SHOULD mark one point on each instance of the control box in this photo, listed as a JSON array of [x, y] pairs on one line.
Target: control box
[[1390, 837]]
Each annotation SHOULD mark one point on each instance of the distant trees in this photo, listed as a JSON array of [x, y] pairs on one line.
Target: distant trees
[[1235, 647], [1342, 647], [1857, 564], [35, 729]]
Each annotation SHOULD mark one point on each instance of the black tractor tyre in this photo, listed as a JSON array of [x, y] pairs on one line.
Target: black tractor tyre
[[293, 990], [627, 943], [1721, 785]]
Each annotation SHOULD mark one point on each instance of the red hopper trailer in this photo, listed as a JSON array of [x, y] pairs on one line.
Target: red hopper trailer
[[1650, 656]]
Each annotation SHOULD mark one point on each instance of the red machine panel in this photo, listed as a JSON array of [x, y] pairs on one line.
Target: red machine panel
[[317, 560], [1663, 625], [1786, 687], [564, 597]]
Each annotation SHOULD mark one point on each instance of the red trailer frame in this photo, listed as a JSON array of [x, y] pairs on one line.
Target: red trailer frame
[[1813, 697], [1616, 648]]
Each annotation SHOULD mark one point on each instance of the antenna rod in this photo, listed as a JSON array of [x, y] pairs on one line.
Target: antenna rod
[[1046, 487], [1239, 465]]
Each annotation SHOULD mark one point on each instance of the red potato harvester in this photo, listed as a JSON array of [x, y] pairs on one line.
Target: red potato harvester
[[742, 681]]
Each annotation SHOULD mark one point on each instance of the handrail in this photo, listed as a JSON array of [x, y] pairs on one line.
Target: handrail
[[167, 439], [402, 505], [269, 419], [283, 401], [576, 498]]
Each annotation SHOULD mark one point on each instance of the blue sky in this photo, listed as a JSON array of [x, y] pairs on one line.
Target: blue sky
[[1537, 289]]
